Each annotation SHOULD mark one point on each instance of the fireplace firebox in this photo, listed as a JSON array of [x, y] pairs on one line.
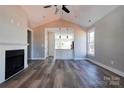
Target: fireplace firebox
[[14, 62]]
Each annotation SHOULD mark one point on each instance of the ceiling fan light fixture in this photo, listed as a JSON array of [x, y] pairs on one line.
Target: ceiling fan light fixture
[[57, 8], [65, 9]]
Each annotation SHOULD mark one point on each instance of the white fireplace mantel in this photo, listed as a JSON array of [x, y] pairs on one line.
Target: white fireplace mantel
[[10, 46]]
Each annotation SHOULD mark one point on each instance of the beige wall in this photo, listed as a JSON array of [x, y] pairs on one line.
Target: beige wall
[[38, 38]]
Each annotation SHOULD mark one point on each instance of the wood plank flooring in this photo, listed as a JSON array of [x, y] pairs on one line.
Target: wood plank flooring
[[64, 74]]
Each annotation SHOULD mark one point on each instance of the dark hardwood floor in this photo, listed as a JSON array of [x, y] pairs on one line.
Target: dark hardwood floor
[[64, 74]]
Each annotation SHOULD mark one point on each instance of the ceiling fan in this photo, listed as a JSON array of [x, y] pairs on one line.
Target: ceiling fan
[[64, 8]]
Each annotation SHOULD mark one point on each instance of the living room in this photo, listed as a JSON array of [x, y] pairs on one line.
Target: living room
[[61, 46]]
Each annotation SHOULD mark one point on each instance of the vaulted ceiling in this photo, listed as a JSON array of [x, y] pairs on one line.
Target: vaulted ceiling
[[83, 15]]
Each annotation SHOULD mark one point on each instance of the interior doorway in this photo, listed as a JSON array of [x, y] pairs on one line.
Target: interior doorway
[[59, 43], [29, 40], [51, 44]]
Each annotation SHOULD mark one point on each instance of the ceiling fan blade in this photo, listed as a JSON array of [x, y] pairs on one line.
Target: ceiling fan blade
[[47, 6], [65, 9]]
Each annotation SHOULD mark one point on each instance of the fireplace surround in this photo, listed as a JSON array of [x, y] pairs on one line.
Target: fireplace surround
[[14, 62], [8, 47]]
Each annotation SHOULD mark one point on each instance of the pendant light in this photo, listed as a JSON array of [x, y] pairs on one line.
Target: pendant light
[[67, 33], [60, 37], [60, 33]]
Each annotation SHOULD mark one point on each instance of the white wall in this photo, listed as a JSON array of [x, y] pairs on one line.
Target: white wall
[[80, 44], [13, 25], [13, 34]]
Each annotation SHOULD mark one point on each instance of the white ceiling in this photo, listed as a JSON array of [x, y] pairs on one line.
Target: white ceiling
[[79, 14]]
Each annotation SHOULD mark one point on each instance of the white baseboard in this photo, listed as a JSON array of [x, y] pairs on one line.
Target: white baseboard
[[64, 59], [70, 58], [79, 58], [58, 58], [116, 71], [37, 59]]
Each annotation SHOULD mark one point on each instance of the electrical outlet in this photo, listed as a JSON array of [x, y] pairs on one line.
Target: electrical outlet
[[112, 62]]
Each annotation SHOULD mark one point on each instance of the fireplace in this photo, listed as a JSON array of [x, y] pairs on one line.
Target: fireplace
[[14, 62]]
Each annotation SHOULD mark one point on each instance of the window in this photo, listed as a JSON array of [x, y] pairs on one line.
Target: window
[[64, 40], [91, 42]]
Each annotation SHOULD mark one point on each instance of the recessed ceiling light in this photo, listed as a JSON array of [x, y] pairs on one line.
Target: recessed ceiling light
[[44, 16], [75, 16], [89, 21]]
